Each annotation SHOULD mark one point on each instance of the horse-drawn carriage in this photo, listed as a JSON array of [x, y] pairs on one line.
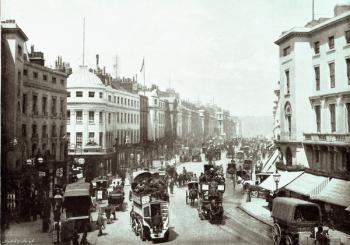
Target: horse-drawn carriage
[[294, 220], [185, 154], [196, 155], [210, 194], [116, 198], [192, 192], [183, 178], [230, 170]]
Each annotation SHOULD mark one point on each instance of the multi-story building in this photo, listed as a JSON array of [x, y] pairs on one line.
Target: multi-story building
[[33, 105], [314, 91], [97, 115], [143, 118]]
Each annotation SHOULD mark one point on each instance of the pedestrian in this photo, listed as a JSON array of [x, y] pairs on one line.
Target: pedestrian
[[108, 214], [171, 185], [100, 223], [113, 211], [321, 237]]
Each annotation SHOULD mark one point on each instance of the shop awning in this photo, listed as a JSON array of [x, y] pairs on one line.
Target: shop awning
[[286, 178], [308, 184], [336, 192]]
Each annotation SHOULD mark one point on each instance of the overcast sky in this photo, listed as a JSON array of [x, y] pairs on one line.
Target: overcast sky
[[205, 49]]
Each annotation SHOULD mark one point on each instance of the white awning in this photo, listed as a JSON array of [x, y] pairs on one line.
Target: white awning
[[308, 184], [286, 178], [336, 192]]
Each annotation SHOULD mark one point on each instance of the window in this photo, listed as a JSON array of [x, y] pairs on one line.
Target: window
[[91, 94], [24, 130], [286, 51], [331, 159], [79, 93], [109, 118], [44, 105], [132, 121], [68, 94], [125, 118], [128, 102], [287, 81], [101, 95], [331, 42], [101, 138], [79, 117], [124, 101], [34, 131], [318, 118], [35, 105], [62, 107], [91, 137], [155, 101], [24, 103], [68, 116], [91, 117], [348, 69], [44, 131], [348, 114], [115, 99], [35, 74], [121, 100], [25, 72], [53, 108], [53, 131], [79, 139], [332, 116], [101, 117], [317, 47], [54, 79], [331, 74], [61, 131], [132, 103], [317, 77], [117, 117], [121, 117], [118, 100], [347, 36], [19, 50], [62, 81], [45, 77], [109, 98]]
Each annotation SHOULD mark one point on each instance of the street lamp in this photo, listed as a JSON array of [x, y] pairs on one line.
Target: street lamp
[[276, 178]]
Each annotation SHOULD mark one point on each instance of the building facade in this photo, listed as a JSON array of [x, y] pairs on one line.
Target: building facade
[[97, 115], [314, 91]]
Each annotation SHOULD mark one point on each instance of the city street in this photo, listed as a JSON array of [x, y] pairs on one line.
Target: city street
[[186, 226]]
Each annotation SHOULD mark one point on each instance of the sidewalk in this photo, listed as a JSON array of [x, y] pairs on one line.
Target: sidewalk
[[257, 208], [26, 233]]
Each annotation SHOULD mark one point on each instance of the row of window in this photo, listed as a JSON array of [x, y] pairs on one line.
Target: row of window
[[332, 114], [331, 67], [118, 117], [45, 77], [331, 42], [124, 137], [316, 45], [44, 131], [116, 99], [44, 105]]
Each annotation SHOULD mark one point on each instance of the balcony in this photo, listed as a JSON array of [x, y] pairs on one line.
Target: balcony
[[320, 138]]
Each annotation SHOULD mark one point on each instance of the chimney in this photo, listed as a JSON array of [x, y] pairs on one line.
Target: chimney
[[97, 60], [340, 9]]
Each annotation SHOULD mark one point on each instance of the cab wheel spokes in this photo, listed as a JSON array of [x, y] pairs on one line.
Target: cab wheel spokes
[[276, 234]]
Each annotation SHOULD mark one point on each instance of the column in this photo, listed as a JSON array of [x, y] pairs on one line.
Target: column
[[340, 120]]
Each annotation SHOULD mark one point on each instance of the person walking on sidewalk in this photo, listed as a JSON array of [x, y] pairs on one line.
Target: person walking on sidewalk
[[100, 223]]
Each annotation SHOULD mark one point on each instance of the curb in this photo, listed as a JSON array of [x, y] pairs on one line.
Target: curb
[[255, 216]]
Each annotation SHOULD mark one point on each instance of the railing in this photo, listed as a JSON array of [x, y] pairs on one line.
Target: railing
[[341, 138], [292, 168]]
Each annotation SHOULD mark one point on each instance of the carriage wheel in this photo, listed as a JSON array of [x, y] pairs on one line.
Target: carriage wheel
[[288, 240], [186, 197], [276, 234]]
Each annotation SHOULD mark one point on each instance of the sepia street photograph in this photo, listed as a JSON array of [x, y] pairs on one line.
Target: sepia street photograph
[[175, 122]]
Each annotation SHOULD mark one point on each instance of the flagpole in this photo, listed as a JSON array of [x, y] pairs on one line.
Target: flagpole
[[144, 76]]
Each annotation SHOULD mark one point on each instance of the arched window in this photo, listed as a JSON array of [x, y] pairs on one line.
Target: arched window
[[289, 157], [288, 116]]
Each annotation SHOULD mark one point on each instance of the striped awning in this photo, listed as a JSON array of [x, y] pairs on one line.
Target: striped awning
[[308, 184], [286, 178], [336, 192]]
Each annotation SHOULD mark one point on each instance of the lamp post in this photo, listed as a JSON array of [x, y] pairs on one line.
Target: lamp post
[[276, 178]]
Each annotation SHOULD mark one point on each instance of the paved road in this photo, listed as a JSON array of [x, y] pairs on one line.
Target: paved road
[[187, 228]]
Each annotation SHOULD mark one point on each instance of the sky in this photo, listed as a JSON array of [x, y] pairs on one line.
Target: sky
[[219, 51]]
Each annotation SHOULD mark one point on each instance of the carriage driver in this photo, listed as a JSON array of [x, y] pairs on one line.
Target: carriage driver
[[157, 221]]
